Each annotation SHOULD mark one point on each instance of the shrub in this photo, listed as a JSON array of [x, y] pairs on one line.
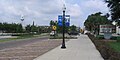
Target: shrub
[[107, 52], [100, 37], [114, 38], [118, 39]]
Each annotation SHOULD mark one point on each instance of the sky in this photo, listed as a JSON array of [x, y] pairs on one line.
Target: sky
[[42, 11]]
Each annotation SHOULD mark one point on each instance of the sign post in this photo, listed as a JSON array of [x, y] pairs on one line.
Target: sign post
[[107, 30]]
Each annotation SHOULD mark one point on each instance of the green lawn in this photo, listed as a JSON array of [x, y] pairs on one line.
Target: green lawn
[[115, 46], [7, 39], [18, 38]]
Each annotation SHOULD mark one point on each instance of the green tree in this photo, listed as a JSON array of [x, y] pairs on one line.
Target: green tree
[[59, 28], [73, 28], [19, 28], [94, 20], [11, 28], [114, 6], [51, 22], [28, 28]]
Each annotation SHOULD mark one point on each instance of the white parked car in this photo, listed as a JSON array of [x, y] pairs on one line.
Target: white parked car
[[86, 32], [52, 33]]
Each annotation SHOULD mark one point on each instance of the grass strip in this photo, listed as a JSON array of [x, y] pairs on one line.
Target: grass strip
[[115, 46]]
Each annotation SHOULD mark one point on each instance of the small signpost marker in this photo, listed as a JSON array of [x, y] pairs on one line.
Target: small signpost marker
[[54, 28]]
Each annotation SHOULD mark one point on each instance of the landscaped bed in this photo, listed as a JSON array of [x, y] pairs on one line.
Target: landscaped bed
[[109, 49]]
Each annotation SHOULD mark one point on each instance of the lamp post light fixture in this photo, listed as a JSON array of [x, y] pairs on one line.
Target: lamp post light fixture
[[115, 24], [63, 23]]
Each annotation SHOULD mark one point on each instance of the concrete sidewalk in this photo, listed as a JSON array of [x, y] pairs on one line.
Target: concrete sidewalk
[[77, 49]]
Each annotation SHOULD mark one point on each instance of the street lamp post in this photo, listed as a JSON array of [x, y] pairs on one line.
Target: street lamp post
[[98, 28], [115, 24], [63, 42]]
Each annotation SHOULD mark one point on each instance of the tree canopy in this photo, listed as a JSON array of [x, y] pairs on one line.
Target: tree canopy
[[59, 28], [114, 6], [11, 28], [94, 20], [18, 28]]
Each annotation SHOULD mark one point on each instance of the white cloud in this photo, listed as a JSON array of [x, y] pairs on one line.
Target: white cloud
[[11, 10], [74, 10], [42, 11], [32, 9], [92, 6], [95, 5]]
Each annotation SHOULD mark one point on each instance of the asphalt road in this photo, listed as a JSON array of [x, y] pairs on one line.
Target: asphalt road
[[17, 43]]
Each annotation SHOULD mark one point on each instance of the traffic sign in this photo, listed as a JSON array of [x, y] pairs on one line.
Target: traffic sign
[[54, 27]]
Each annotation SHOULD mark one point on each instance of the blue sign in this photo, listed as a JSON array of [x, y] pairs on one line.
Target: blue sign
[[67, 20], [60, 20]]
